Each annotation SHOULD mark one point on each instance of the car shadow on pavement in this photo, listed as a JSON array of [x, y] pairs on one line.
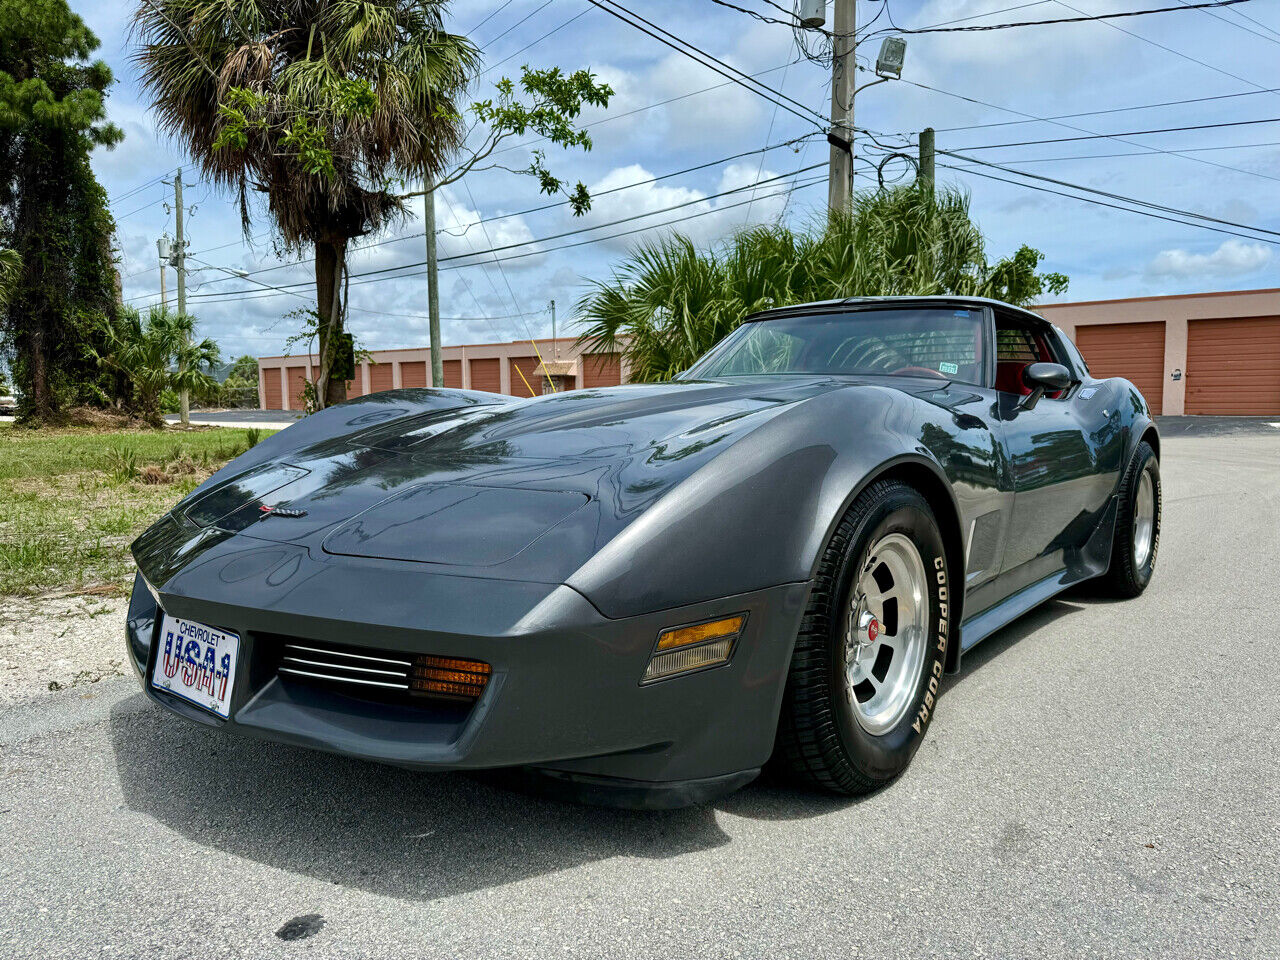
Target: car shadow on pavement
[[422, 836], [394, 832]]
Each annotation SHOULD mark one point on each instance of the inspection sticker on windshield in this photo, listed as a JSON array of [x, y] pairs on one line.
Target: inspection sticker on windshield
[[197, 663], [947, 366]]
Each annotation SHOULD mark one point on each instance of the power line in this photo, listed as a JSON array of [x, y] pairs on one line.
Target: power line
[[490, 42], [568, 233], [145, 206], [133, 192], [1174, 212], [1072, 196], [1127, 133], [795, 188], [718, 66], [1094, 113], [545, 206], [533, 43], [1138, 153], [1120, 138], [608, 119], [1176, 53], [1233, 23], [1086, 18], [492, 14]]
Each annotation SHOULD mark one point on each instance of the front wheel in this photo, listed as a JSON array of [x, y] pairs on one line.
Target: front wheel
[[864, 677], [1137, 537]]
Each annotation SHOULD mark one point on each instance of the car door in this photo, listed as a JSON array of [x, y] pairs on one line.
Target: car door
[[1060, 492]]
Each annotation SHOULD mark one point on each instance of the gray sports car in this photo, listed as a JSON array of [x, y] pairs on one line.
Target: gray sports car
[[644, 593]]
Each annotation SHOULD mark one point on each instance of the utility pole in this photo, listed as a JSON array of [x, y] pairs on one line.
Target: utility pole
[[843, 68], [164, 297], [555, 344], [180, 265], [925, 172], [433, 284]]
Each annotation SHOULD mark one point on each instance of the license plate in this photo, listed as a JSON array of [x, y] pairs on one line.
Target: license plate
[[197, 663]]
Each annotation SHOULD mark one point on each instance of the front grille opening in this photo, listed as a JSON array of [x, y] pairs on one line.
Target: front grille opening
[[382, 675]]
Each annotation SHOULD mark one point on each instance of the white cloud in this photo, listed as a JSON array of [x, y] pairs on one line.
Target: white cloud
[[701, 217], [1232, 259]]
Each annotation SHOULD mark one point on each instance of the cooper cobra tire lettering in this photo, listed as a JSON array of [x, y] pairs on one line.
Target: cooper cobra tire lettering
[[935, 673]]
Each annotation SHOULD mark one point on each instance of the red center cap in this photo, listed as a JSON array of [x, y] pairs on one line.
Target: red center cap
[[873, 630]]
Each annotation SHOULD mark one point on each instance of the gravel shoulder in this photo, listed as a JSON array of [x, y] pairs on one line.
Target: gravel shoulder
[[53, 643]]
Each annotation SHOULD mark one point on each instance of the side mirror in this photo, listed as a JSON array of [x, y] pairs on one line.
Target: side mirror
[[1044, 378]]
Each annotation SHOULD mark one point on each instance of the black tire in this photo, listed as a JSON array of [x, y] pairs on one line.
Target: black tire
[[1129, 575], [820, 740]]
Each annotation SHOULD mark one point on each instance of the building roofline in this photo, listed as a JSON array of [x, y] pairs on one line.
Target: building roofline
[[448, 346], [1170, 296]]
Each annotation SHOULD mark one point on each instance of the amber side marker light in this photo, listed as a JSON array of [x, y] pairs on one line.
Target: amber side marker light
[[685, 649], [449, 678]]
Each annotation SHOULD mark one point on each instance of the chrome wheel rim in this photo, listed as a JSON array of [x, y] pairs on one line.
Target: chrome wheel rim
[[1144, 519], [885, 634]]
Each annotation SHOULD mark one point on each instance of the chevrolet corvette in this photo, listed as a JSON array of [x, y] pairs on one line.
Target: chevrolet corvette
[[643, 594]]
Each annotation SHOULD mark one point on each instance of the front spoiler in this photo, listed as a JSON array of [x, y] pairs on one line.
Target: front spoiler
[[565, 693]]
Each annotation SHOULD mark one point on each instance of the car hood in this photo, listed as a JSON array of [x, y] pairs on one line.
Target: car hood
[[524, 490]]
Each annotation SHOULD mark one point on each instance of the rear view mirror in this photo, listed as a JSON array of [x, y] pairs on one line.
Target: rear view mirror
[[1049, 377], [1044, 378]]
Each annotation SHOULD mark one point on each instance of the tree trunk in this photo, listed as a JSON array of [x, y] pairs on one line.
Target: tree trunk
[[331, 256]]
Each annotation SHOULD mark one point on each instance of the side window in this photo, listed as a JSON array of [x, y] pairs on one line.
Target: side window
[[1017, 345], [1077, 358]]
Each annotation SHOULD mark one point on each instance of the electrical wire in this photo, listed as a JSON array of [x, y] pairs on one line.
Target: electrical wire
[[1127, 133], [545, 206], [1071, 196], [534, 43], [568, 233], [716, 65], [795, 188], [1176, 53], [1086, 18], [1119, 138], [1096, 113]]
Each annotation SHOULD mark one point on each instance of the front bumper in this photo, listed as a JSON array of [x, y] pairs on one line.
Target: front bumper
[[565, 694]]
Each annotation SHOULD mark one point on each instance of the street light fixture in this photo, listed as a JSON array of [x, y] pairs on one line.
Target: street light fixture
[[892, 53]]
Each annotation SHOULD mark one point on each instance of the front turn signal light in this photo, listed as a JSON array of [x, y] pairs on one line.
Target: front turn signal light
[[687, 649], [701, 632]]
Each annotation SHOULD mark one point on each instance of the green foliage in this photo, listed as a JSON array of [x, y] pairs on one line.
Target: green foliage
[[155, 356], [323, 107], [120, 461], [10, 273], [53, 212], [669, 302]]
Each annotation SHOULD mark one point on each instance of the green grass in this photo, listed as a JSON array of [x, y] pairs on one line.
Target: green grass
[[72, 500]]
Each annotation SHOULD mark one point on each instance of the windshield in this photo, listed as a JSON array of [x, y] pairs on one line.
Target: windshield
[[946, 343]]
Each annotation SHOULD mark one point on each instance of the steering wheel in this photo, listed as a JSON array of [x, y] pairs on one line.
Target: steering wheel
[[919, 372]]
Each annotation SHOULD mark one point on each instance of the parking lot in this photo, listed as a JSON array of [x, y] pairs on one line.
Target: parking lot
[[1101, 780]]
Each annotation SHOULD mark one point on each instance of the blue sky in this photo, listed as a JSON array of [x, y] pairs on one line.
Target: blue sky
[[1230, 174]]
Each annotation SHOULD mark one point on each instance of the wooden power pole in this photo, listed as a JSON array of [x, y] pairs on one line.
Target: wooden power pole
[[433, 285], [180, 267], [843, 68]]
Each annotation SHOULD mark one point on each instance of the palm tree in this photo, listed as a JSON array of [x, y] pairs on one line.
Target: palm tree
[[10, 270], [668, 303], [155, 355], [318, 105]]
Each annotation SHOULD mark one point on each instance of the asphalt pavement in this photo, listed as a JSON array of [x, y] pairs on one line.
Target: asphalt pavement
[[1101, 781]]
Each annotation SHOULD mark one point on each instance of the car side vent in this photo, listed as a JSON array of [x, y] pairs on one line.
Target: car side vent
[[383, 674], [984, 542]]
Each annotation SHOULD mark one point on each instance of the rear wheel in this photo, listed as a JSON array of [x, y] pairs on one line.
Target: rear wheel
[[864, 677], [1137, 536]]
